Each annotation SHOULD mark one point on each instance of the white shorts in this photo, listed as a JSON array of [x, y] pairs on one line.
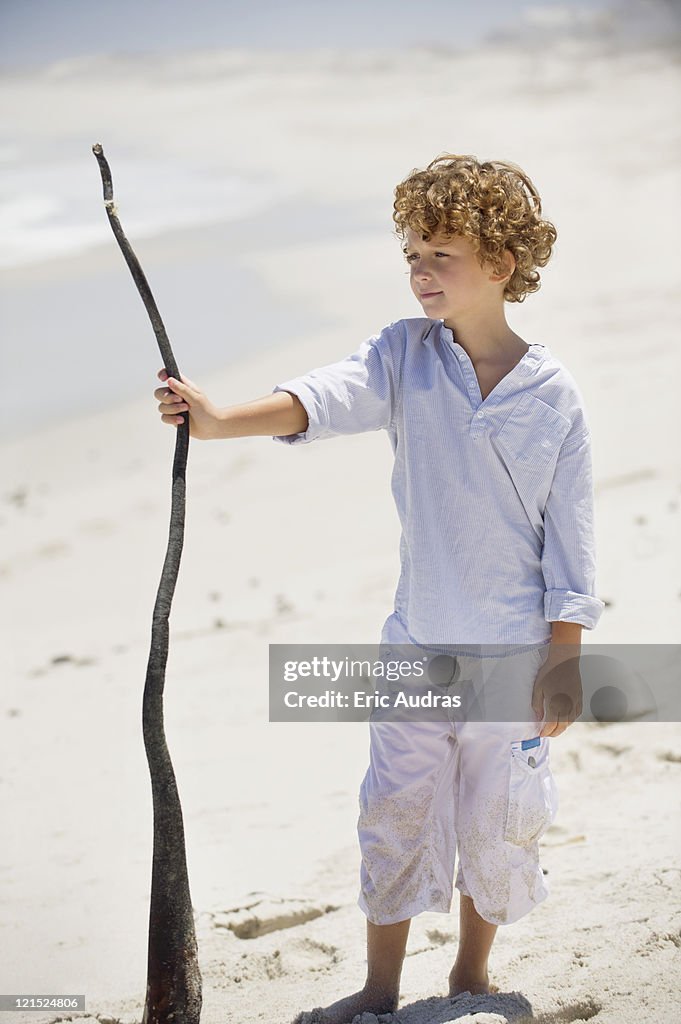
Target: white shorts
[[437, 788]]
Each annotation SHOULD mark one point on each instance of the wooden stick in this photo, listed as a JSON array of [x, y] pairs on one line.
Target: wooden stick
[[173, 978]]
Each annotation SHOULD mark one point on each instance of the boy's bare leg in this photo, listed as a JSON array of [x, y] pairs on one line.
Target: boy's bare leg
[[469, 973], [386, 945]]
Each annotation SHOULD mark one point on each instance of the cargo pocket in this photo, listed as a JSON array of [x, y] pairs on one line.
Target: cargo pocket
[[532, 794]]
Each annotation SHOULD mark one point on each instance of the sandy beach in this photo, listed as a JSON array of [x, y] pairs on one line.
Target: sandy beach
[[301, 546]]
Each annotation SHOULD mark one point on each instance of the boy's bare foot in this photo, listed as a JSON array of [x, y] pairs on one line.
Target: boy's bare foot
[[345, 1010], [462, 979]]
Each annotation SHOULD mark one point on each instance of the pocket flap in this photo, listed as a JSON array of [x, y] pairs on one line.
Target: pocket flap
[[533, 433]]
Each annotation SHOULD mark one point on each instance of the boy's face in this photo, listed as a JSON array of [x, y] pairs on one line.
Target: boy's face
[[447, 278]]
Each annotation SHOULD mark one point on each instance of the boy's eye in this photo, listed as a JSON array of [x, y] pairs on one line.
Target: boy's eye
[[411, 256]]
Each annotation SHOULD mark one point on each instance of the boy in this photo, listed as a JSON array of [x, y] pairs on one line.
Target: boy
[[492, 482]]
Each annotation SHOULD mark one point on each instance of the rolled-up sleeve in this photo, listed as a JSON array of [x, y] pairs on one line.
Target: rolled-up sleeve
[[568, 556], [357, 394]]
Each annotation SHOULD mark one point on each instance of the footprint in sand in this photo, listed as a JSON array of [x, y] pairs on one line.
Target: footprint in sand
[[438, 938], [670, 756], [575, 1013], [269, 915], [308, 955]]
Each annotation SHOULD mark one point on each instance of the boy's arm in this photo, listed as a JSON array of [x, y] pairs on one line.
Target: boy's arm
[[569, 567], [356, 394], [568, 558], [281, 413], [568, 633], [557, 692]]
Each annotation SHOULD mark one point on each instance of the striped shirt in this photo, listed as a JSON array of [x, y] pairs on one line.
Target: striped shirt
[[495, 497]]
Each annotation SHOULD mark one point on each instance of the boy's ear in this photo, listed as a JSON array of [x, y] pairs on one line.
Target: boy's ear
[[509, 267]]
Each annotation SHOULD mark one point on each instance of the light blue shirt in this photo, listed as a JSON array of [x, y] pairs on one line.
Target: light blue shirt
[[495, 497]]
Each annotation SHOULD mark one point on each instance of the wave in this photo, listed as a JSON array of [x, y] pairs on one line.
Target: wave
[[50, 211]]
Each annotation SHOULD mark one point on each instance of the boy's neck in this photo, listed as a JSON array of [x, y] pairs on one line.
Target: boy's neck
[[487, 338]]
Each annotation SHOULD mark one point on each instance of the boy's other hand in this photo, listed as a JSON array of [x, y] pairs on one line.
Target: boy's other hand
[[558, 691], [184, 396]]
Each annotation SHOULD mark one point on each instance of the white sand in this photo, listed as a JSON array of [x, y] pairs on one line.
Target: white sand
[[301, 546]]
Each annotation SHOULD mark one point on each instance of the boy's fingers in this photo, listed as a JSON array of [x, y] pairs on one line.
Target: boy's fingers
[[557, 727], [178, 388], [166, 397], [165, 407], [163, 375], [561, 727], [186, 388]]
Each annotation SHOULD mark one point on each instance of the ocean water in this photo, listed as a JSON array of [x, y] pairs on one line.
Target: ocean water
[[48, 206], [75, 337]]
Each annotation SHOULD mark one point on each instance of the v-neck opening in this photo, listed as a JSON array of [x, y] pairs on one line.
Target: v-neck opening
[[523, 368], [498, 386]]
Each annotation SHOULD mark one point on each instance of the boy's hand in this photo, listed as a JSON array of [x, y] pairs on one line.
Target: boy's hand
[[558, 690], [186, 397]]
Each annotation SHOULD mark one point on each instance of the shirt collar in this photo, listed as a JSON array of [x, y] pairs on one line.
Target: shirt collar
[[529, 363]]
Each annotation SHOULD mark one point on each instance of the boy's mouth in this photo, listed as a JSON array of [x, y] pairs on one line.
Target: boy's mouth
[[429, 295]]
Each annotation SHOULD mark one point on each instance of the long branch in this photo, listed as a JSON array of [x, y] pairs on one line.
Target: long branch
[[173, 978]]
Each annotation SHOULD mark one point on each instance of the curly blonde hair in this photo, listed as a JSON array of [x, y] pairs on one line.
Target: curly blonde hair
[[493, 204]]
